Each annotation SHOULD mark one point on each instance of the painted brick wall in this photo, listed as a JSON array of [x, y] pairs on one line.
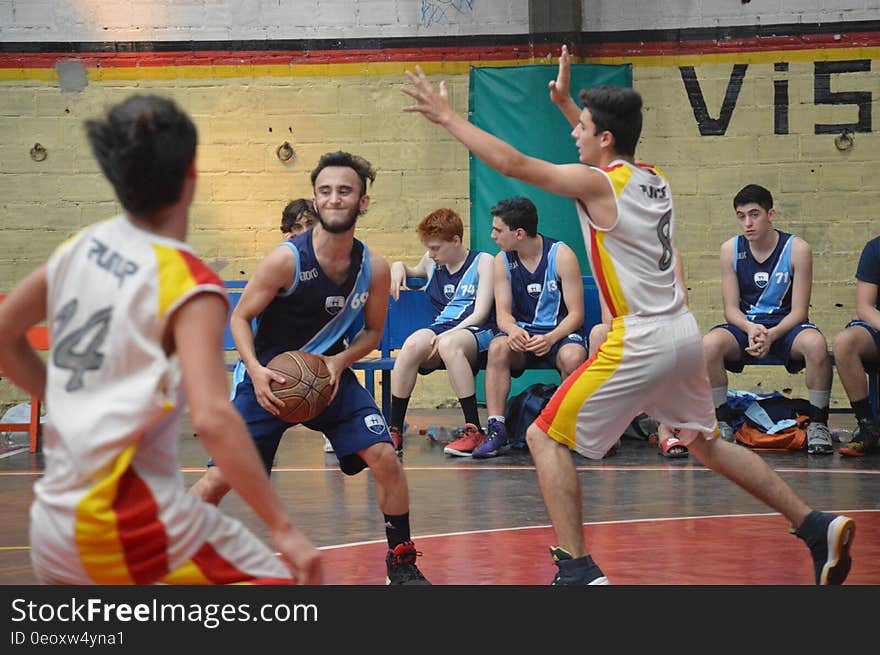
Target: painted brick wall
[[245, 110], [173, 20]]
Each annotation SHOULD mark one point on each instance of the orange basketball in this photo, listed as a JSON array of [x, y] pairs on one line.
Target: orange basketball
[[306, 390]]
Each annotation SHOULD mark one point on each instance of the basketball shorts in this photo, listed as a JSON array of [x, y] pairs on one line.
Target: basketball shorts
[[870, 367], [781, 348], [548, 360], [653, 365], [210, 548], [352, 422], [482, 335]]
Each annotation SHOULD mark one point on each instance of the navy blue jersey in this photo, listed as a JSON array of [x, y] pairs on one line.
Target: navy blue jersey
[[453, 295], [538, 305], [315, 313], [764, 287], [869, 265]]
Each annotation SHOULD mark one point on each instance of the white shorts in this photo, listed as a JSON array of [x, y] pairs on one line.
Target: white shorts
[[652, 365], [211, 549]]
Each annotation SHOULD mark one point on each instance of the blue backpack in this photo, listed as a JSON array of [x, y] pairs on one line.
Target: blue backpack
[[523, 409]]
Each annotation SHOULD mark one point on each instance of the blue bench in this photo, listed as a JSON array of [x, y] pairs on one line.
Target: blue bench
[[412, 312]]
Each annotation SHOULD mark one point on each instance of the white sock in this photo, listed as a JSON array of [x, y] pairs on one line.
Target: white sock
[[500, 419], [819, 399]]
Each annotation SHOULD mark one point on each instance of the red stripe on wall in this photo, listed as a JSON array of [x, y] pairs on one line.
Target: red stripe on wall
[[722, 46], [525, 51], [276, 58]]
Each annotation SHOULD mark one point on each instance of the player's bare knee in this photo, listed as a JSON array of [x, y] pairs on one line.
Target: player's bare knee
[[212, 486], [382, 460], [536, 438], [713, 345], [499, 351]]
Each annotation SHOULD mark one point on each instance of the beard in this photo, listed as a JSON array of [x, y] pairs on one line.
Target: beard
[[342, 227]]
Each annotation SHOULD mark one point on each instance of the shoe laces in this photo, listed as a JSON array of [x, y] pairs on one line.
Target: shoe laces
[[405, 553], [396, 437], [472, 433], [495, 431], [819, 432]]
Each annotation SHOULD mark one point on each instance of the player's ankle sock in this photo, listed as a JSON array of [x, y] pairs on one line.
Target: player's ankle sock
[[398, 411], [470, 411], [397, 529]]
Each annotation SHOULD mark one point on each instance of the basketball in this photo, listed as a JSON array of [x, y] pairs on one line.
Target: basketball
[[306, 390]]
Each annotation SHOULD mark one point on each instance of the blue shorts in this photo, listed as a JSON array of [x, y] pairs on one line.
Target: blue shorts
[[780, 349], [548, 360], [483, 336], [352, 422], [875, 334]]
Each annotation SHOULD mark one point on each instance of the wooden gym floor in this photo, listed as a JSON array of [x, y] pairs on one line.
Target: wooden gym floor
[[648, 520]]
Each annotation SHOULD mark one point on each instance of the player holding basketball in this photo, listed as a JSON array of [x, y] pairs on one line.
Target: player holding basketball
[[131, 309], [307, 294], [652, 359]]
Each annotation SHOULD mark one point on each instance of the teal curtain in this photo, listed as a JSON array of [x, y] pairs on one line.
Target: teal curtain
[[513, 103]]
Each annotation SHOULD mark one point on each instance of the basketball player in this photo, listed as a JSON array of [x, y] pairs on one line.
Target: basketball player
[[458, 282], [667, 438], [539, 301], [766, 278], [652, 360], [298, 217], [307, 294], [857, 352], [131, 308]]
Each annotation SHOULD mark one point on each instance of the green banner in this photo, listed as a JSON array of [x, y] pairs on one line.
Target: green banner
[[513, 103]]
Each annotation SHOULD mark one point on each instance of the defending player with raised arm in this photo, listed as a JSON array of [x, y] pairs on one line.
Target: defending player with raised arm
[[652, 361]]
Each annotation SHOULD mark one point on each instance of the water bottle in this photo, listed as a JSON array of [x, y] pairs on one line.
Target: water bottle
[[843, 436], [442, 435]]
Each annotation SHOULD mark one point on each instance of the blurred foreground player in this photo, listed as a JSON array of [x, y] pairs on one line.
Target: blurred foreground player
[[136, 322]]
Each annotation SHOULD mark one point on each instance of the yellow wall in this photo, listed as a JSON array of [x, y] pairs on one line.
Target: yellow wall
[[828, 197]]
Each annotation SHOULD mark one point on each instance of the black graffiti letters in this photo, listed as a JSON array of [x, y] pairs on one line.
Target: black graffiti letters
[[823, 72], [713, 126]]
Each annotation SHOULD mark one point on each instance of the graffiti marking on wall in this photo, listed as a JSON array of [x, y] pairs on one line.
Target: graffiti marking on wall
[[438, 11]]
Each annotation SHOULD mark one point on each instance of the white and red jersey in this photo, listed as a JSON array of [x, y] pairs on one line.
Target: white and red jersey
[[633, 262], [112, 507]]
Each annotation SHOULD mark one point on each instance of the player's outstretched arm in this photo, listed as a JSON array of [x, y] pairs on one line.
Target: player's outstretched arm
[[570, 180], [560, 90], [197, 328]]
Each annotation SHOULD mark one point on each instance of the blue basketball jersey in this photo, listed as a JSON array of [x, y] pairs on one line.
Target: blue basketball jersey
[[453, 295], [538, 305], [764, 287], [315, 313]]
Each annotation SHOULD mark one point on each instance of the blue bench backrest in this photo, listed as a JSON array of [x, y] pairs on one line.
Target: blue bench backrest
[[233, 290], [414, 311]]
